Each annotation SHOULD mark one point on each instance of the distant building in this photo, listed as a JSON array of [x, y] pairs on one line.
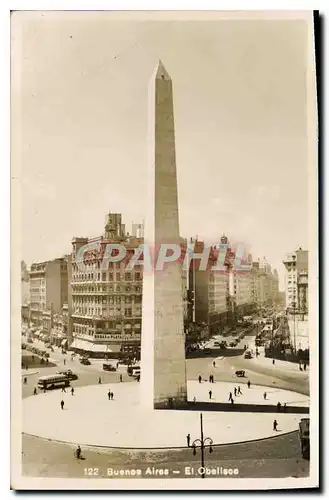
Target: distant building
[[48, 290]]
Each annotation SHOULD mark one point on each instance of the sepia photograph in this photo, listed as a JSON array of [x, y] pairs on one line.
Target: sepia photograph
[[164, 250]]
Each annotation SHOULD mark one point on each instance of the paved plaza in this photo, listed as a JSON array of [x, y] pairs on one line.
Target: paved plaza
[[90, 418]]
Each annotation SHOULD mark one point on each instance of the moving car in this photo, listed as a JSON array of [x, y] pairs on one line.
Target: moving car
[[240, 373], [85, 361], [247, 355], [108, 367], [69, 374]]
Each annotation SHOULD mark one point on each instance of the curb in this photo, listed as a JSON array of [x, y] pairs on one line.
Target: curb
[[174, 448], [29, 373]]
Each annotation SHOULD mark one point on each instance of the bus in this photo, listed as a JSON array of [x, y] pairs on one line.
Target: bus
[[53, 381]]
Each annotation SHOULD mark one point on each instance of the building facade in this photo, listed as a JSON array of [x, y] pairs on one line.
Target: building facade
[[296, 279], [105, 303]]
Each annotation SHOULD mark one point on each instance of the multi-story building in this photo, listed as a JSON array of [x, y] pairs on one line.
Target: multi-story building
[[48, 288], [265, 284], [296, 265], [105, 302]]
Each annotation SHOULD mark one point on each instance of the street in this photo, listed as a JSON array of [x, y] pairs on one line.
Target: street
[[278, 456]]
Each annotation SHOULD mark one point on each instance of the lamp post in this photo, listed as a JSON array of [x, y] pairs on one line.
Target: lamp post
[[202, 443]]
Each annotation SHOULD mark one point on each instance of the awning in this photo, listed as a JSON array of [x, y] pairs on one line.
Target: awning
[[83, 345], [106, 348]]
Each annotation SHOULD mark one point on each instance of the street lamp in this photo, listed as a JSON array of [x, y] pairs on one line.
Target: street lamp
[[202, 443]]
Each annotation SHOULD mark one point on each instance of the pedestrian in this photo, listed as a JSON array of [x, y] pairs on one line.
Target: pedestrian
[[232, 400], [305, 367], [194, 399], [25, 380], [72, 391], [273, 361], [278, 406], [239, 390], [35, 391], [109, 394], [235, 391], [275, 425], [46, 361], [99, 380], [64, 362], [210, 394], [120, 377], [112, 395], [78, 452], [300, 367], [188, 439], [200, 379], [248, 384], [214, 364], [210, 378], [230, 396], [62, 405], [63, 388], [265, 394]]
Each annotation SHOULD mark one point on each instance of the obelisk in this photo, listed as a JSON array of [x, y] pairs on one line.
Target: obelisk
[[163, 338]]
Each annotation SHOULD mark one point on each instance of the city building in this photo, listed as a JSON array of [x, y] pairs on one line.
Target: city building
[[296, 264], [48, 290], [105, 303]]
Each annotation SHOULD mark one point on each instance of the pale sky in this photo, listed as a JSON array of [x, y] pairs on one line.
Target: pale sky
[[240, 118]]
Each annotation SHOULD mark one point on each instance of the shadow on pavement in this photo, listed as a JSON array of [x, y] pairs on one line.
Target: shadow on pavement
[[240, 408]]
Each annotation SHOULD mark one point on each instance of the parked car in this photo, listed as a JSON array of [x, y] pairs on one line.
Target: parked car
[[240, 373], [69, 374], [247, 355]]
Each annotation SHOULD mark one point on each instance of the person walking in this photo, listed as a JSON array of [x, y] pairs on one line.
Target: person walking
[[64, 362], [278, 406], [214, 364], [273, 361], [232, 400], [305, 366], [248, 384], [210, 394], [112, 395], [230, 397], [25, 380], [188, 439], [63, 389], [200, 379], [109, 394], [235, 391], [120, 377], [239, 391], [99, 380], [62, 405], [275, 425], [72, 391], [264, 395], [35, 391], [78, 452]]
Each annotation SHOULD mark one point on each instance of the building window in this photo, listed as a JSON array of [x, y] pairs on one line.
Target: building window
[[103, 276], [118, 277]]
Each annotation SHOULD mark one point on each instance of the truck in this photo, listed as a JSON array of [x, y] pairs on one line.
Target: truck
[[304, 437]]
